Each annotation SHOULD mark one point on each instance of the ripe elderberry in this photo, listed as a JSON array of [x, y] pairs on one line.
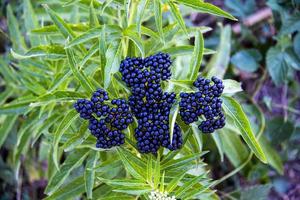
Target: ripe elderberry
[[150, 105], [205, 102], [105, 122]]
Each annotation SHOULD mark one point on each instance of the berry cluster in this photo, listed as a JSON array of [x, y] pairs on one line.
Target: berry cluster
[[206, 102], [150, 105], [105, 122]]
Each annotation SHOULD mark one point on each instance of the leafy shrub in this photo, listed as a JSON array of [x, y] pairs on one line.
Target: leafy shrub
[[71, 49]]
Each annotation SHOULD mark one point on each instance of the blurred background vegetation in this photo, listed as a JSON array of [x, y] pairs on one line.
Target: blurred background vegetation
[[262, 51]]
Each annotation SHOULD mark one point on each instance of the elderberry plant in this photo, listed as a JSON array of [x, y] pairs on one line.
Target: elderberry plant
[[112, 93]]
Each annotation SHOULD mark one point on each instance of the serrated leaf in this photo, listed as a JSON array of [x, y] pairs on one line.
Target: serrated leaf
[[173, 184], [186, 186], [123, 182], [63, 126], [276, 65], [235, 111], [135, 38], [206, 8], [46, 51], [181, 162], [197, 56], [80, 76], [78, 138], [113, 59], [57, 96], [61, 25], [131, 168], [73, 161], [89, 174], [177, 15], [94, 33], [139, 15]]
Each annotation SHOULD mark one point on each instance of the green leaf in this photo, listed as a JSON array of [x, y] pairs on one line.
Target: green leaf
[[63, 126], [291, 59], [78, 138], [219, 144], [290, 25], [80, 76], [231, 87], [218, 64], [233, 147], [132, 35], [296, 45], [279, 129], [47, 52], [172, 120], [57, 97], [93, 16], [177, 15], [89, 174], [131, 167], [14, 31], [113, 59], [139, 190], [31, 22], [206, 8], [123, 182], [156, 172], [140, 12], [73, 161], [127, 10], [235, 111], [186, 186], [185, 50], [158, 18], [175, 181], [245, 61], [257, 192], [6, 127], [94, 33], [53, 30], [272, 155], [61, 25], [276, 65], [68, 191], [181, 162], [197, 56]]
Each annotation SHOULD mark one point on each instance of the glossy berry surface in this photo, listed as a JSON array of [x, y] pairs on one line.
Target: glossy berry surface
[[149, 103], [105, 121], [205, 102]]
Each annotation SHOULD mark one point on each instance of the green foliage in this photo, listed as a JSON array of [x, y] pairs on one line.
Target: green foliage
[[58, 58]]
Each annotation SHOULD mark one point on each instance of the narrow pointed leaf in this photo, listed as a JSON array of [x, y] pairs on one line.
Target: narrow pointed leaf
[[63, 126], [235, 111], [197, 56], [73, 161]]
